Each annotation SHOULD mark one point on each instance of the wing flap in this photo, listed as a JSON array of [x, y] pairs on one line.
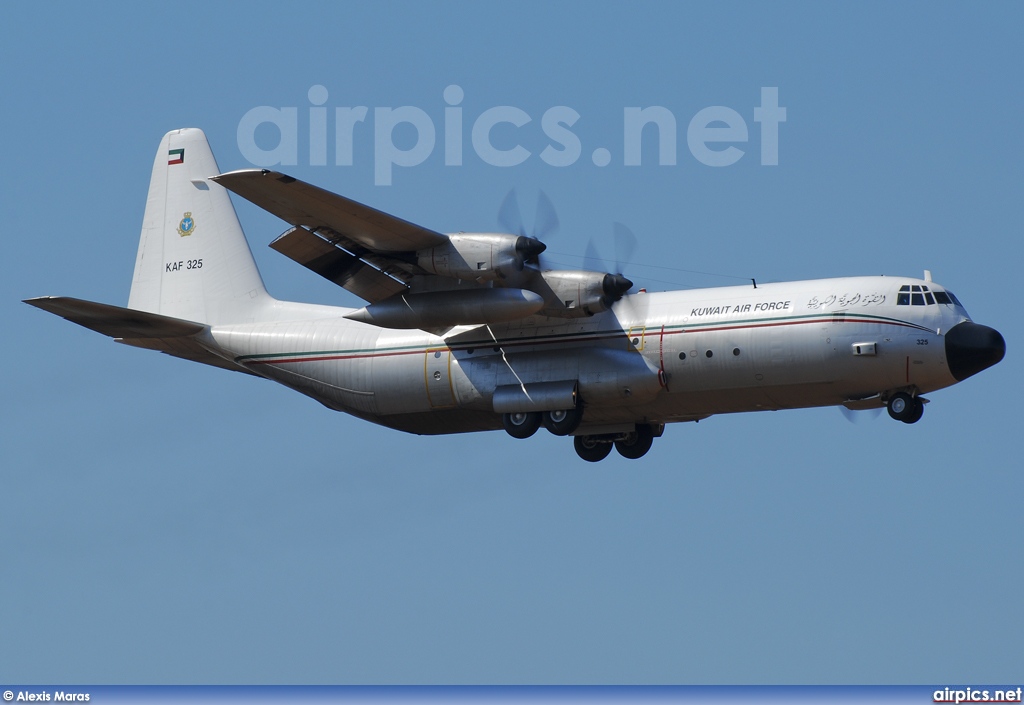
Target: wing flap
[[305, 205], [337, 265]]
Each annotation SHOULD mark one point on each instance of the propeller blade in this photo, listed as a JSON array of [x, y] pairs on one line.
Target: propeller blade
[[625, 246], [592, 260], [509, 216], [614, 286], [545, 222], [855, 416]]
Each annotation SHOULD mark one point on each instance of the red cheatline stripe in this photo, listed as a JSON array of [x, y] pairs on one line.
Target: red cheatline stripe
[[359, 356], [339, 356], [559, 341]]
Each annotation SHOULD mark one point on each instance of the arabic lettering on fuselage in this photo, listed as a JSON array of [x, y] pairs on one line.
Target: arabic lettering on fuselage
[[847, 300]]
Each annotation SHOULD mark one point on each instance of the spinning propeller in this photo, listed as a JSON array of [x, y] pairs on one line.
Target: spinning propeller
[[615, 284], [545, 224]]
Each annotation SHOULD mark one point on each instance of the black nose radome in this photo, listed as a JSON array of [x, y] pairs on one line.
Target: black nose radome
[[971, 348]]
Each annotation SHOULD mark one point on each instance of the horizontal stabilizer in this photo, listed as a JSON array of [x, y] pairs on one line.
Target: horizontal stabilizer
[[140, 329], [115, 321]]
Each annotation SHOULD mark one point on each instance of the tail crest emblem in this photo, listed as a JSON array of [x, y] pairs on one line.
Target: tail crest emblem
[[187, 226]]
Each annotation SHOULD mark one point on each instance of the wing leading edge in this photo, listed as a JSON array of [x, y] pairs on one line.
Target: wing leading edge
[[313, 208]]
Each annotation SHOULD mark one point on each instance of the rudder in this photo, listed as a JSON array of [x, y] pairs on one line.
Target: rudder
[[193, 261]]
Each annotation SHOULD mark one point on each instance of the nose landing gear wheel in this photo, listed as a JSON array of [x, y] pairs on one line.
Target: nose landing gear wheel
[[916, 413], [521, 424], [635, 445], [590, 449], [905, 408], [563, 421]]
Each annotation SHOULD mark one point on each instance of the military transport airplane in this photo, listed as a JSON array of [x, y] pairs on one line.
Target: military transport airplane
[[470, 332]]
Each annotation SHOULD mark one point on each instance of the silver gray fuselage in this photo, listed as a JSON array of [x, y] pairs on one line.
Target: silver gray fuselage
[[653, 358]]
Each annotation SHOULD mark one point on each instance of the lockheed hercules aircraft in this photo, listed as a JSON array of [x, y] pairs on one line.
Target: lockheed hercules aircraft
[[471, 332]]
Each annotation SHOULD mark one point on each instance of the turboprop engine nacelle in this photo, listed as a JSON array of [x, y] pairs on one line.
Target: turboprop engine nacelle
[[480, 256], [444, 309], [581, 293]]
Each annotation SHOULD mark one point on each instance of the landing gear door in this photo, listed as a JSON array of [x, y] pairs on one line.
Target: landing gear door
[[438, 379]]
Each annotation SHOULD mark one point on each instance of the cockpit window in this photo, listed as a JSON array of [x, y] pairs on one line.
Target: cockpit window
[[918, 295]]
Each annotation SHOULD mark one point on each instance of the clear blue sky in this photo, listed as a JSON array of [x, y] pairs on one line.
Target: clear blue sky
[[164, 522]]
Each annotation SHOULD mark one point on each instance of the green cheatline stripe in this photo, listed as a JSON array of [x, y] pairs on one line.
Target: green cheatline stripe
[[567, 337]]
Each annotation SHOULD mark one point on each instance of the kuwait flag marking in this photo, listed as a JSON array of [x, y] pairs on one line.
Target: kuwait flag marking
[[177, 156]]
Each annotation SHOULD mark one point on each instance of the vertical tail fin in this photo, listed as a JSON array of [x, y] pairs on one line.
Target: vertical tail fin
[[193, 261]]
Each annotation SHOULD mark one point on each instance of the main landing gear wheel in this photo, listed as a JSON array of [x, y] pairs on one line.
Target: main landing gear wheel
[[562, 422], [591, 449], [521, 424], [905, 408], [636, 444]]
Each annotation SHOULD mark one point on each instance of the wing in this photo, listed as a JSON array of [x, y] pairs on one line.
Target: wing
[[362, 249], [313, 208], [173, 336]]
